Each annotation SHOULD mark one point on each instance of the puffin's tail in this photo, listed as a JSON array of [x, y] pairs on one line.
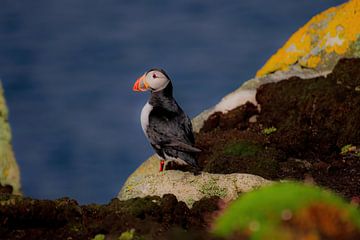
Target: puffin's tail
[[190, 160]]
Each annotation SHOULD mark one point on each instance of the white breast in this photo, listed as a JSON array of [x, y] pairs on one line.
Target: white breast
[[145, 116]]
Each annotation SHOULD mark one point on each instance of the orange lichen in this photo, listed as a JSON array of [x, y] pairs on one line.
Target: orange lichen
[[332, 31], [313, 61]]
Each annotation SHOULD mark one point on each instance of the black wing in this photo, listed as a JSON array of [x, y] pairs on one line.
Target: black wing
[[171, 130]]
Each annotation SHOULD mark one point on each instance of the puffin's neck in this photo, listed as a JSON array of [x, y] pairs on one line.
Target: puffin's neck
[[163, 98]]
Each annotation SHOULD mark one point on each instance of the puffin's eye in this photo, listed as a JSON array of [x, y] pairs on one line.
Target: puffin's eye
[[154, 75]]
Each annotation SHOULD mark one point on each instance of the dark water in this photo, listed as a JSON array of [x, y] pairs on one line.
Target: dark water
[[68, 67]]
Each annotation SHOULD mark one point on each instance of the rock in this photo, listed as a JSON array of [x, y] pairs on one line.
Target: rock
[[310, 52], [247, 92], [9, 170], [308, 130], [188, 187], [320, 43], [141, 218]]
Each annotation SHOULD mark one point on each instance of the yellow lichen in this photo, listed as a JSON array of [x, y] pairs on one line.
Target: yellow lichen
[[332, 31], [9, 171], [313, 61]]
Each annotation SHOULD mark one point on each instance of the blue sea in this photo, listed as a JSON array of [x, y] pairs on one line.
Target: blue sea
[[68, 68]]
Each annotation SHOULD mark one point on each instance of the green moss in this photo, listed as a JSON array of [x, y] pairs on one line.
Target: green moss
[[76, 228], [128, 235], [355, 48], [260, 212], [346, 149], [245, 156], [313, 116], [138, 206], [99, 237], [210, 188], [242, 149], [189, 201], [268, 131], [350, 149]]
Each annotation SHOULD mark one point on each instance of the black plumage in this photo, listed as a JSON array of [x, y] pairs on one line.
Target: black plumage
[[169, 129]]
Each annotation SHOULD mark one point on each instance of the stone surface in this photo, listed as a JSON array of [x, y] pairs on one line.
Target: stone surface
[[190, 188], [320, 43], [247, 92], [310, 52], [9, 170]]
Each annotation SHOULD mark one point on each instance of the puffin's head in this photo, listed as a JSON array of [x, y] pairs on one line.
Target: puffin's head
[[155, 80]]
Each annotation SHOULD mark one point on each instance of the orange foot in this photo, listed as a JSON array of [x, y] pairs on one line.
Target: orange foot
[[162, 163]]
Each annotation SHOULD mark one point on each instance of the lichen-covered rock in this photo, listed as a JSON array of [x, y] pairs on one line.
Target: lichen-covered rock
[[311, 52], [188, 187], [320, 43], [9, 170]]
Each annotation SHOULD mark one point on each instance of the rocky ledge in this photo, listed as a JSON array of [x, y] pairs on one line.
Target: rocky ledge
[[149, 217], [297, 120], [307, 129], [278, 211], [301, 129], [189, 187]]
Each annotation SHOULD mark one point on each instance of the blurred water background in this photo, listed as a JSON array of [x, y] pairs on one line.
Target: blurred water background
[[68, 68]]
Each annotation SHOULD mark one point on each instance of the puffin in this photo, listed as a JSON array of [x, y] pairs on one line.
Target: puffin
[[166, 126]]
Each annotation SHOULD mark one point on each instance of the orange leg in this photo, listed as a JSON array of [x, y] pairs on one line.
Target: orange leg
[[162, 163]]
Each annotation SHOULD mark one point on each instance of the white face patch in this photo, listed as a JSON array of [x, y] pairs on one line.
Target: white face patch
[[157, 80], [144, 117]]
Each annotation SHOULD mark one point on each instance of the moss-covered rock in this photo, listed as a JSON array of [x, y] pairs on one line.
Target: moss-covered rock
[[314, 116], [311, 53], [190, 188], [139, 218], [235, 151], [289, 211], [9, 170], [311, 121]]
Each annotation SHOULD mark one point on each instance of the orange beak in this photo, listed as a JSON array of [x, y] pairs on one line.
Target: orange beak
[[141, 85]]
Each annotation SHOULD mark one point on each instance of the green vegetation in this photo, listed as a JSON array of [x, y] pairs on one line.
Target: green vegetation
[[242, 149], [346, 149], [268, 131], [356, 47], [350, 149], [139, 206], [245, 156], [128, 235], [99, 237], [261, 213], [211, 188]]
